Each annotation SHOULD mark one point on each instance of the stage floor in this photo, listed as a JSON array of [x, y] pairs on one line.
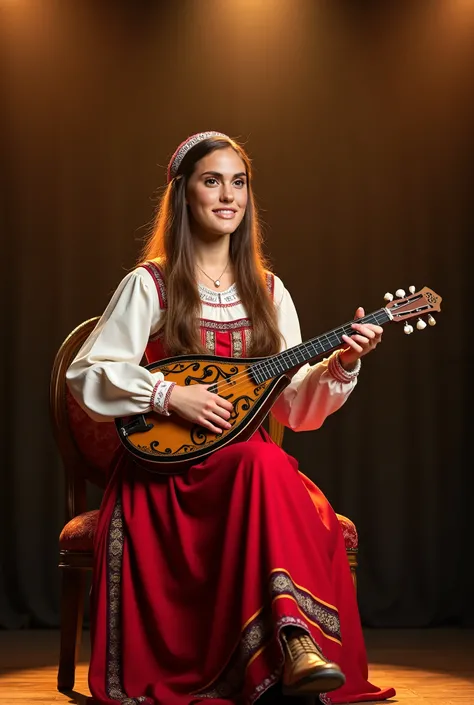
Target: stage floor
[[427, 667]]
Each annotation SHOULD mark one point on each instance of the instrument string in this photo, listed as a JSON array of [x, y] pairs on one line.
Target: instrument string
[[289, 356]]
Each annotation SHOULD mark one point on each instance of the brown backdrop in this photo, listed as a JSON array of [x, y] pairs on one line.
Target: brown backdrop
[[359, 118]]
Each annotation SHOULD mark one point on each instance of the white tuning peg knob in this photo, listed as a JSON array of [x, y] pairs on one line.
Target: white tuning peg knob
[[400, 293], [388, 296], [431, 320], [408, 329], [411, 289], [420, 324]]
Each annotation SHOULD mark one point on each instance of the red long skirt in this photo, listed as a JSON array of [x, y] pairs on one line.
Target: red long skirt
[[196, 575]]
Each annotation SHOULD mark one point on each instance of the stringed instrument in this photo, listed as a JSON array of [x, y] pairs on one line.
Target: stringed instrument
[[169, 444]]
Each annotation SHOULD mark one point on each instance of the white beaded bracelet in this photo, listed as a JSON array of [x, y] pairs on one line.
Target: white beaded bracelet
[[337, 371]]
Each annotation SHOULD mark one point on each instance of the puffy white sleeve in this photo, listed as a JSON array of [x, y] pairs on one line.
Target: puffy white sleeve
[[105, 377], [314, 391]]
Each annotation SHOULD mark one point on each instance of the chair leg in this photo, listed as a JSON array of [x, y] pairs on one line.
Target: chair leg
[[73, 586], [352, 556]]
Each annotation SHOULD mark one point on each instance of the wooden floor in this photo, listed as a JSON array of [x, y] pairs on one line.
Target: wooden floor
[[429, 667]]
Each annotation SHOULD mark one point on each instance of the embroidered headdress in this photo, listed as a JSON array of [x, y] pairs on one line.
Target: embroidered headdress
[[184, 148]]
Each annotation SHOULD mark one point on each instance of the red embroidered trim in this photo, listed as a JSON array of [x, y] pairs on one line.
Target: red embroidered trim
[[167, 397], [153, 394], [271, 284], [238, 324], [158, 278]]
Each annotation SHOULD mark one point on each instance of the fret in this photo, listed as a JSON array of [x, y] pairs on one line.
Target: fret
[[300, 352], [256, 374], [286, 359], [280, 364], [317, 347]]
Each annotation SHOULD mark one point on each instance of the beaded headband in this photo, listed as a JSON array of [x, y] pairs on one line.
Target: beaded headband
[[184, 148]]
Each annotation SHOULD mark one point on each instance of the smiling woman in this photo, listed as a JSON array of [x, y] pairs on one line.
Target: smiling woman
[[215, 237], [221, 194], [217, 200], [229, 580]]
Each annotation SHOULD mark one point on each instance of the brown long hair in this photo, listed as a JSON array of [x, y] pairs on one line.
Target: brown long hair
[[171, 244]]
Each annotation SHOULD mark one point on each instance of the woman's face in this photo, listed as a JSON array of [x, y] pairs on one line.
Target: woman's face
[[217, 192]]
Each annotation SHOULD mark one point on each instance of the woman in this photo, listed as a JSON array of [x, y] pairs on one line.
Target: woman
[[229, 582]]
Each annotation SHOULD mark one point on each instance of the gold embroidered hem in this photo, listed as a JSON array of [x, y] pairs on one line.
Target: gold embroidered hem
[[114, 631], [259, 631]]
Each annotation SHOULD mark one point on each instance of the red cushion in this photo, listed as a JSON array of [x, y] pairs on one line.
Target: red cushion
[[349, 532], [78, 534], [97, 441]]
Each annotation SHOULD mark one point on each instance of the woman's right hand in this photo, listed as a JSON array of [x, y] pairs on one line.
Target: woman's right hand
[[195, 403]]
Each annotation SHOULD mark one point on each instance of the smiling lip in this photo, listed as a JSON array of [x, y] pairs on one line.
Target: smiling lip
[[226, 213]]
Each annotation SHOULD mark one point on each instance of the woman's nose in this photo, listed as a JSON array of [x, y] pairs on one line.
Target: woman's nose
[[227, 194]]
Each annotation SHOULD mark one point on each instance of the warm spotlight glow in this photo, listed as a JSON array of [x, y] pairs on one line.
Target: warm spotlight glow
[[457, 11]]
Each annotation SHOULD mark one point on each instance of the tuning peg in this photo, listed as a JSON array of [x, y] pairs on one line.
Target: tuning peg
[[411, 289], [431, 320], [400, 293], [408, 329], [388, 296], [420, 324]]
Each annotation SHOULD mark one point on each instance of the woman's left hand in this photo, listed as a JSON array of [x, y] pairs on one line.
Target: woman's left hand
[[365, 339]]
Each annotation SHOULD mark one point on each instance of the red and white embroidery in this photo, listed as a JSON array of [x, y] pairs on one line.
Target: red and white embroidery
[[160, 397], [270, 283], [158, 278], [240, 330], [225, 325]]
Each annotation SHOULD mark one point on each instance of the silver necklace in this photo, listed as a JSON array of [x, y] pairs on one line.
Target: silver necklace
[[216, 282]]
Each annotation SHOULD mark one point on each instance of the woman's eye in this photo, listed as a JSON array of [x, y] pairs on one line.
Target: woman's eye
[[240, 183], [211, 181]]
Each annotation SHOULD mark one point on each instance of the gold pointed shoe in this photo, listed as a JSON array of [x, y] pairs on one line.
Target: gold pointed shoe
[[306, 670]]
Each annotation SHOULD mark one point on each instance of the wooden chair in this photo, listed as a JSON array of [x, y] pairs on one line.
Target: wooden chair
[[86, 448]]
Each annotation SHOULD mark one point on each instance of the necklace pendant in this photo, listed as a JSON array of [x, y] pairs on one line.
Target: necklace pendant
[[217, 283]]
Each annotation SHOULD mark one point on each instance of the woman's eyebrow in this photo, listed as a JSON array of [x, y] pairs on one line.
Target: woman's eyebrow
[[218, 174]]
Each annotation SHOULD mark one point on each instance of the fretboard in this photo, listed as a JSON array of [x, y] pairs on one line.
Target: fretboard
[[287, 360]]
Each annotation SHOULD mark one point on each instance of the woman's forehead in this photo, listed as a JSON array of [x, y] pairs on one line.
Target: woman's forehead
[[223, 161]]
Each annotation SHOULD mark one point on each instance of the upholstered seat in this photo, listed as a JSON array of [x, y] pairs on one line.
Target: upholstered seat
[[87, 449], [349, 531], [78, 534]]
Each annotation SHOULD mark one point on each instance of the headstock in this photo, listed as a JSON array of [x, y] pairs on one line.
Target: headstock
[[418, 303]]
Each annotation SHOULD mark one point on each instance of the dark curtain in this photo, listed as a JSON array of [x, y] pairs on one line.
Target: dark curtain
[[359, 119]]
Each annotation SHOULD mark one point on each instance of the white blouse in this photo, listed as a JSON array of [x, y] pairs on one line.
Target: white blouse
[[107, 380]]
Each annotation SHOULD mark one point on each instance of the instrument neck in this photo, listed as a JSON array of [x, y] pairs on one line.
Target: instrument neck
[[309, 351]]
